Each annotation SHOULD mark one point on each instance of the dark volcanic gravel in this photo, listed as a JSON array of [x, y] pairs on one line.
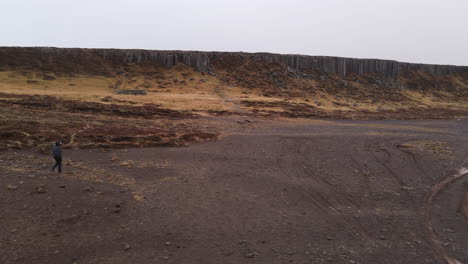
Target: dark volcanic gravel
[[285, 192]]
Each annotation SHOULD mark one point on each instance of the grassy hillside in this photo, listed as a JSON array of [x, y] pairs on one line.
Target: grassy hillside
[[244, 88]]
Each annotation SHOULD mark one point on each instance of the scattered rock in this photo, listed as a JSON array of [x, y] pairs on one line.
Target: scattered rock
[[32, 82], [251, 254], [69, 219], [227, 253], [168, 243], [116, 210], [48, 77], [40, 189], [12, 187], [406, 188], [127, 247], [107, 99]]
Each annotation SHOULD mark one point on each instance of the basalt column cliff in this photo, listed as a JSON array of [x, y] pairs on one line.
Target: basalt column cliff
[[60, 59]]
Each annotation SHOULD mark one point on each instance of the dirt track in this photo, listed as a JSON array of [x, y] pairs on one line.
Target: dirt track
[[267, 192]]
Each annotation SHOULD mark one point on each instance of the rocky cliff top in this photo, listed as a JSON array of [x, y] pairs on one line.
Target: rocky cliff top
[[202, 61]]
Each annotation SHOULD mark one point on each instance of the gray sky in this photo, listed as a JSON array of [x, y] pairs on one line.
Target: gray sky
[[425, 31]]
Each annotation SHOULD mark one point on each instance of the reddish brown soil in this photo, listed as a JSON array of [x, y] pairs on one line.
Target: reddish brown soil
[[50, 103], [267, 192], [302, 110], [36, 121]]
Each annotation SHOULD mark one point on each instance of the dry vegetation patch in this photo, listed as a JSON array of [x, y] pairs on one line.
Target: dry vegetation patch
[[37, 121], [438, 148]]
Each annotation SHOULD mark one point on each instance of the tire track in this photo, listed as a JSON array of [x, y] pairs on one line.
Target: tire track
[[437, 244], [384, 164], [317, 201]]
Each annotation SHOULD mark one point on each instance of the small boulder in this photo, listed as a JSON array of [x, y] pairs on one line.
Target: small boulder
[[40, 189], [48, 77], [12, 187], [251, 254]]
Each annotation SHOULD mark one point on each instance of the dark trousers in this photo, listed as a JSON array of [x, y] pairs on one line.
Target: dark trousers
[[58, 163]]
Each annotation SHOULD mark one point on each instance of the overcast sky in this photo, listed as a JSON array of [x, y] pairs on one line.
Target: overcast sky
[[406, 30]]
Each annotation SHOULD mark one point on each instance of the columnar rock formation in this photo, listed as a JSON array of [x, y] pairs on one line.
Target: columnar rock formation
[[201, 61]]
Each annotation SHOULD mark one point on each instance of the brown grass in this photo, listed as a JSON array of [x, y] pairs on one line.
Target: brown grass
[[438, 148]]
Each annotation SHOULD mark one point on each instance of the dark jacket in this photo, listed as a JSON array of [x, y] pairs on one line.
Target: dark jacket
[[57, 152]]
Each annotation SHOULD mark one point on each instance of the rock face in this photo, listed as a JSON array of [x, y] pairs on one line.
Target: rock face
[[201, 61], [345, 66]]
